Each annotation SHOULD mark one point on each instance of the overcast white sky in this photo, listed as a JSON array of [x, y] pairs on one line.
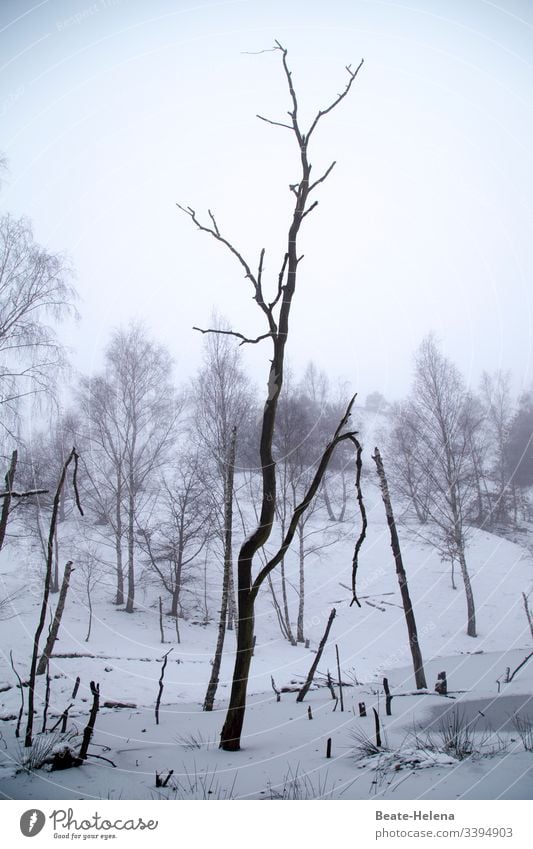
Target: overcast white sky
[[112, 111]]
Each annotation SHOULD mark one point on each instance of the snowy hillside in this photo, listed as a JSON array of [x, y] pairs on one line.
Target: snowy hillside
[[284, 751]]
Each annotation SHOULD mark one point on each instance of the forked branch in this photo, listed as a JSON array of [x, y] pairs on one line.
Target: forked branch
[[338, 437]]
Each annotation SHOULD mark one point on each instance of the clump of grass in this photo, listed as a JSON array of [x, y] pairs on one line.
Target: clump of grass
[[456, 735], [458, 738], [203, 785], [296, 786], [43, 749], [194, 740], [523, 726], [364, 746]]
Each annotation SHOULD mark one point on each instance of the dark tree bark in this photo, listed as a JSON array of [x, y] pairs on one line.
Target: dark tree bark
[[54, 630], [73, 457], [278, 328], [340, 678], [21, 687], [161, 680], [414, 645], [311, 674], [89, 728]]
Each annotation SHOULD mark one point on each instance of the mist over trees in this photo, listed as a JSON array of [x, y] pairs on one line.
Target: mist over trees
[[206, 498]]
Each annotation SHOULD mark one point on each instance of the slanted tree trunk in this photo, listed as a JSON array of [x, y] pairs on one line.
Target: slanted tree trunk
[[311, 674], [414, 645], [54, 630], [46, 591], [228, 568]]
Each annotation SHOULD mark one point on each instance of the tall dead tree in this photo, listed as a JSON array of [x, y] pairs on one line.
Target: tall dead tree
[[276, 313], [414, 645]]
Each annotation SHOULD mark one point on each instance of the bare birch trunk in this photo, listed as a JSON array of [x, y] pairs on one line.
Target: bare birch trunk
[[228, 569], [118, 543], [131, 546]]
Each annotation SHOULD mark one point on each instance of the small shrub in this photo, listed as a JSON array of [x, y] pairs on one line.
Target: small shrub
[[42, 752], [296, 786], [194, 741], [523, 725]]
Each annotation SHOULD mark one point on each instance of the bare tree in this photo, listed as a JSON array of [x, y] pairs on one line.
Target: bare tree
[[276, 311], [131, 412], [34, 291], [178, 530], [223, 400], [499, 411], [439, 426]]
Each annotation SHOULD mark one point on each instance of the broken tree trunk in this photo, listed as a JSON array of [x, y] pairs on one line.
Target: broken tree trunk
[[160, 693], [73, 456], [416, 654], [89, 728], [311, 674], [54, 629], [378, 733], [340, 679]]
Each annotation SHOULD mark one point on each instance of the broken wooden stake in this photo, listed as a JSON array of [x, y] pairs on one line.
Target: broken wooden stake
[[376, 722], [441, 687], [89, 728], [158, 700], [340, 679], [309, 712], [277, 692], [362, 709], [76, 688], [328, 748], [388, 697]]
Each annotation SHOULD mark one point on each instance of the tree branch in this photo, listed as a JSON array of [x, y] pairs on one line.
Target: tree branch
[[309, 495], [322, 112], [245, 339]]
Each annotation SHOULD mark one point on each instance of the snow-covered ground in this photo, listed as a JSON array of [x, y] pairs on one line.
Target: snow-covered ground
[[283, 750]]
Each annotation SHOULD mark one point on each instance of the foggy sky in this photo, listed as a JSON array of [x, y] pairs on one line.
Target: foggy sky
[[113, 111]]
